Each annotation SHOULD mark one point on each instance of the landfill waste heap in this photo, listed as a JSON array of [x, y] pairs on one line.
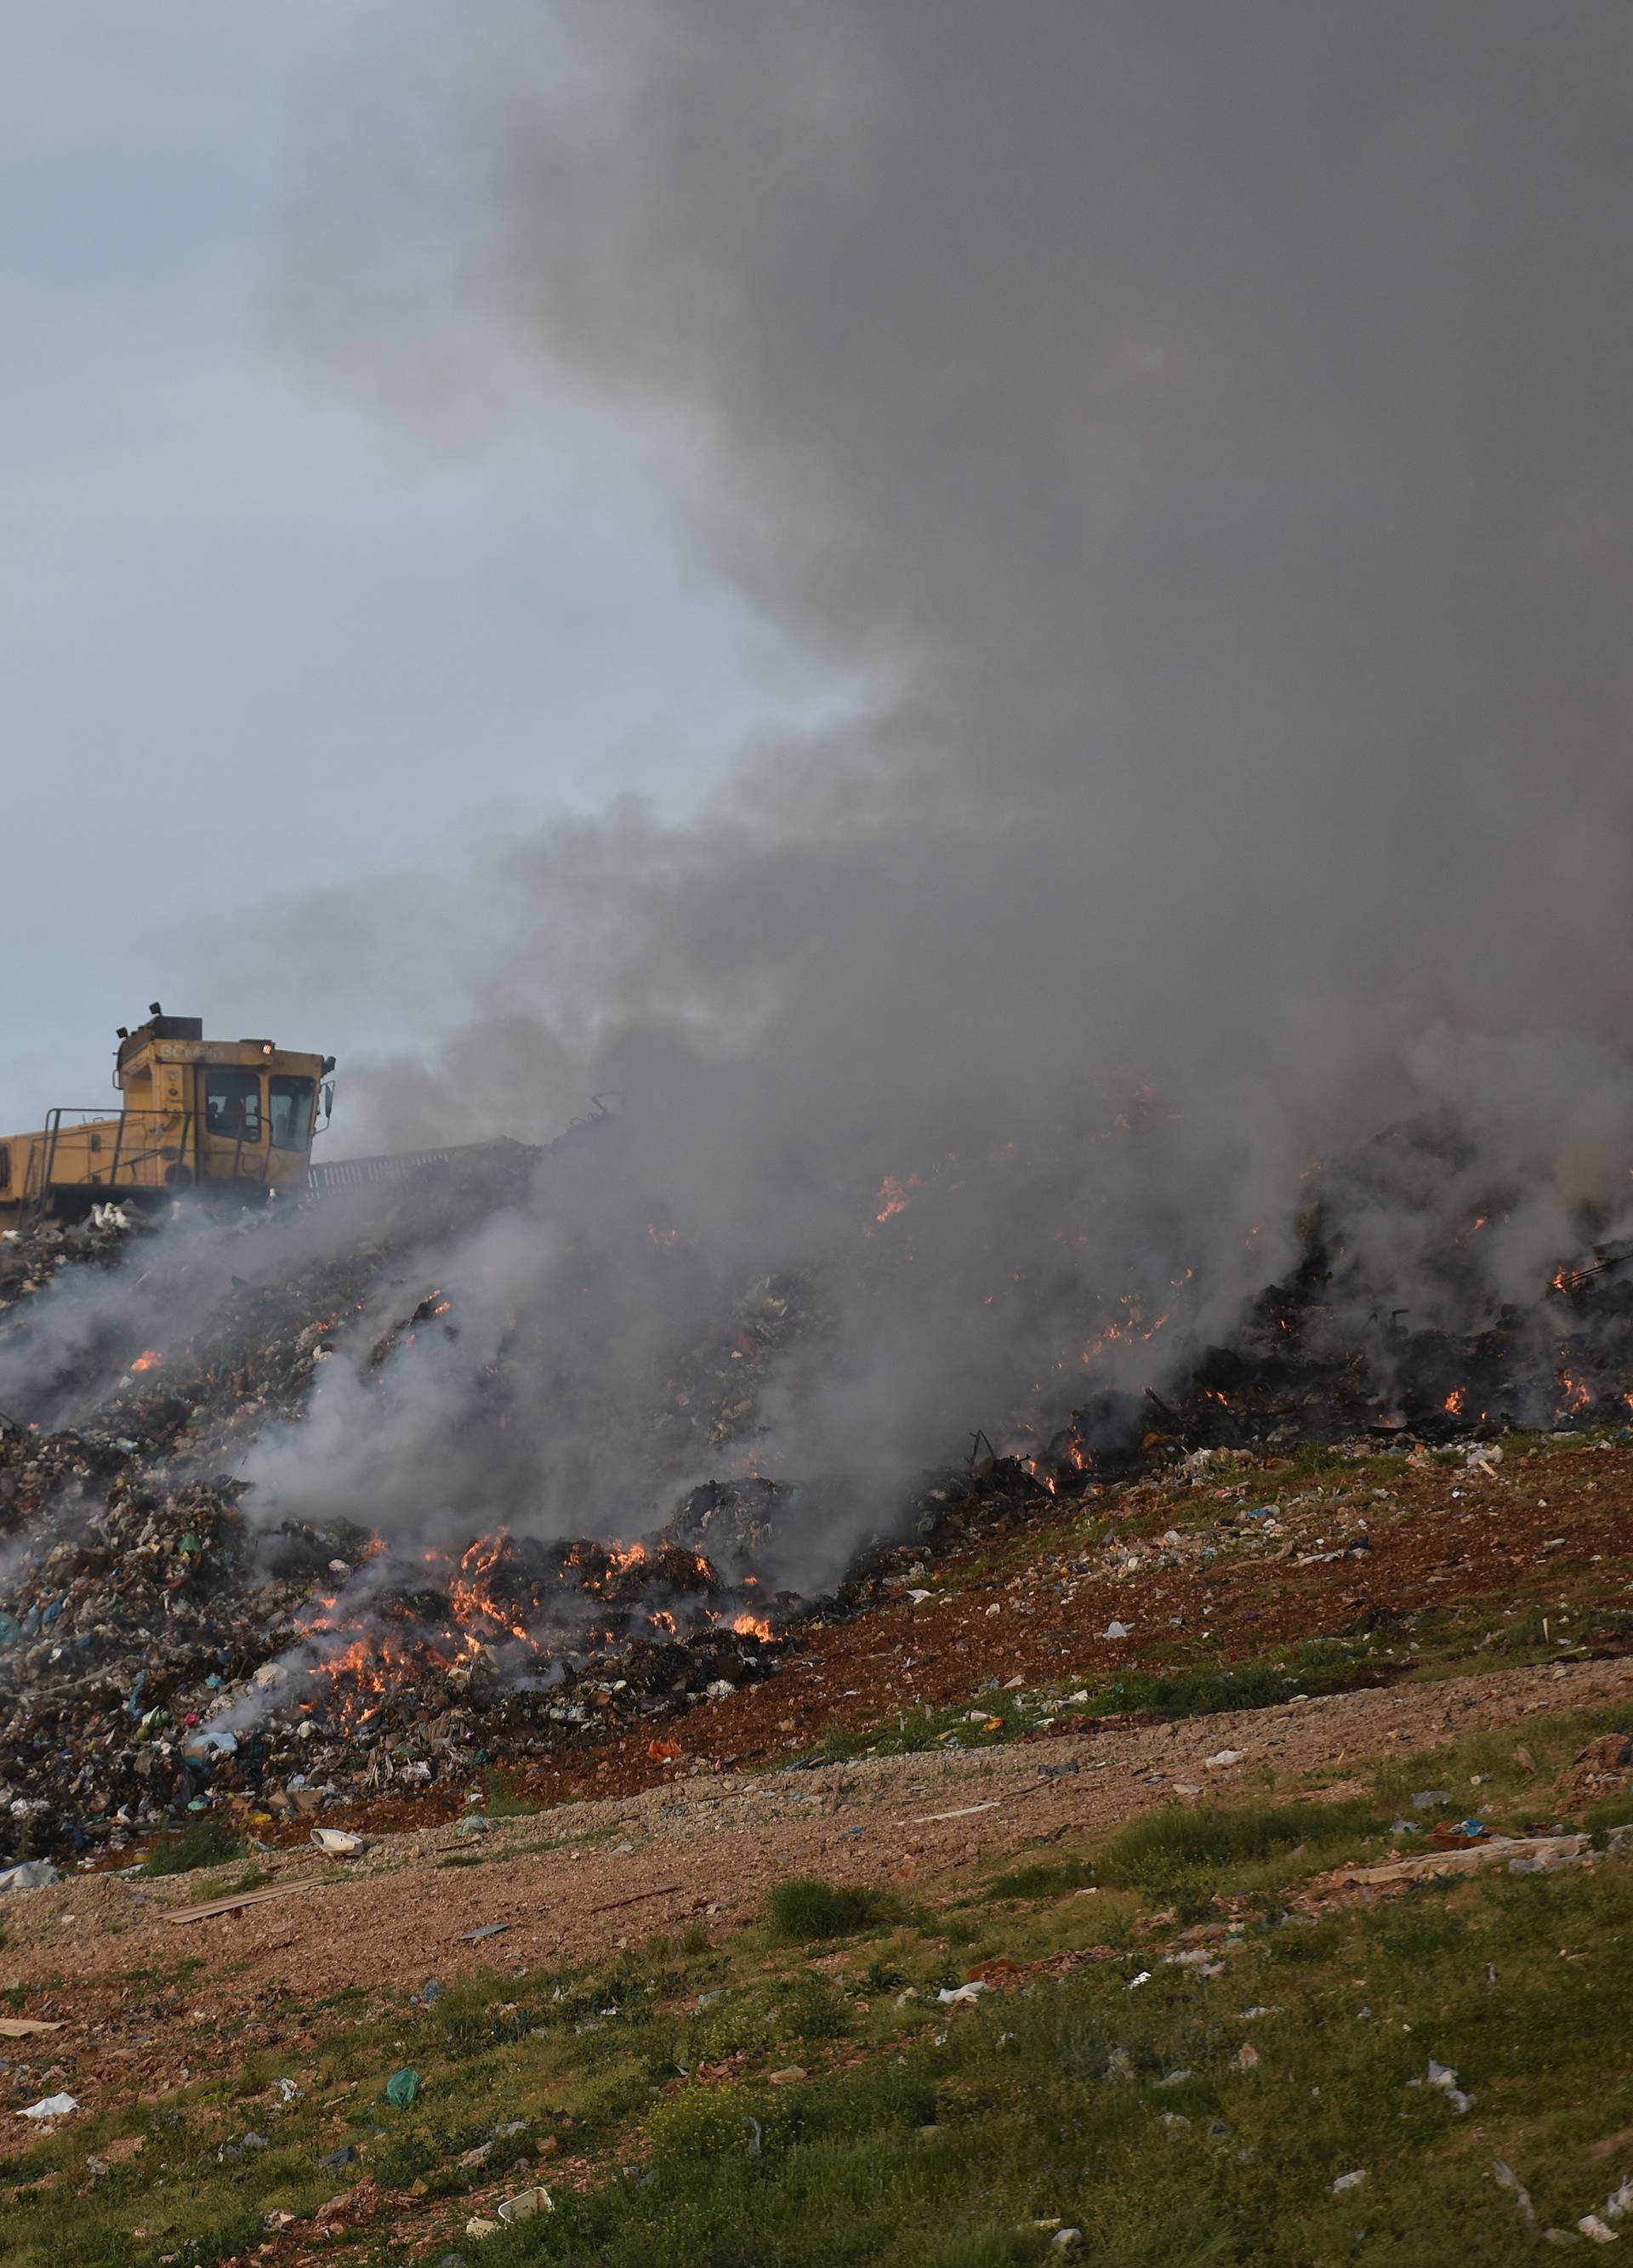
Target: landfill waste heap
[[169, 1646], [162, 1655]]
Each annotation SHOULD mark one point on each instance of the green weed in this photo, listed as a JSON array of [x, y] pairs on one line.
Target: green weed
[[206, 1842], [805, 1909]]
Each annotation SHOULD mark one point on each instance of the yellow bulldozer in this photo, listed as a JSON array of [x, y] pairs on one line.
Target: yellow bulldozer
[[229, 1117]]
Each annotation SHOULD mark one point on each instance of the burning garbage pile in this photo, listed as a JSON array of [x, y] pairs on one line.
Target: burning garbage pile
[[212, 1592], [162, 1651]]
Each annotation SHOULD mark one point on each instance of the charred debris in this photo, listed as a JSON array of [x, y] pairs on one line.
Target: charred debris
[[164, 1653]]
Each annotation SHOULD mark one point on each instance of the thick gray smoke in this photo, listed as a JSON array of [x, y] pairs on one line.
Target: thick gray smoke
[[1202, 434]]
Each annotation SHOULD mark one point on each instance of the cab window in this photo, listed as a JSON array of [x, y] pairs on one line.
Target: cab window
[[288, 1111], [232, 1105]]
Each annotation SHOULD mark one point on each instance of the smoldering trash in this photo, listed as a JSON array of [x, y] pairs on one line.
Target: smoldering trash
[[343, 1505]]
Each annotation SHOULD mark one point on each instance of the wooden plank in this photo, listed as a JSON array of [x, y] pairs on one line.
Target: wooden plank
[[231, 1905], [664, 1891]]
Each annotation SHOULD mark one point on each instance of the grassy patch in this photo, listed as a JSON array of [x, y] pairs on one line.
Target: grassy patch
[[805, 1911], [1042, 1880], [1116, 2095], [1321, 1666], [1175, 1851]]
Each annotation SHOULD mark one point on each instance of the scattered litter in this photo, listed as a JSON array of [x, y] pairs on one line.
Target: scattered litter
[[346, 2155], [1066, 2240], [1506, 2178], [1350, 2181], [525, 2205], [51, 2106], [950, 1995], [209, 1742], [33, 1874], [964, 1811], [488, 1929], [1592, 2226], [1118, 1630], [24, 2027], [1442, 2077], [336, 1843], [403, 2088], [1145, 1977], [288, 2091], [1058, 1771], [1525, 1854], [1225, 1757], [1430, 1799]]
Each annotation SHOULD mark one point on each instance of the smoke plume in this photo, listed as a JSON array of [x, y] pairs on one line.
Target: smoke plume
[[1199, 435]]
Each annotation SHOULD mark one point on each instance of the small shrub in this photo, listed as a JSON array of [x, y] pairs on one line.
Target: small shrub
[[702, 2121], [206, 1842], [805, 1910]]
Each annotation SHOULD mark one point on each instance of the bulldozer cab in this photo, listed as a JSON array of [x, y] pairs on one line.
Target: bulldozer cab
[[232, 1118]]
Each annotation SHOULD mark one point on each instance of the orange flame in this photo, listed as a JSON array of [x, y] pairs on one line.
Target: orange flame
[[894, 1197], [752, 1626], [150, 1360], [1455, 1400]]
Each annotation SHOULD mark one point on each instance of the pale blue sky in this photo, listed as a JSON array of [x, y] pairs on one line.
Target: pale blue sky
[[250, 635]]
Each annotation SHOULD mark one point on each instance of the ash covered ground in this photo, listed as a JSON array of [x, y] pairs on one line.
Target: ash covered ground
[[190, 1622]]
